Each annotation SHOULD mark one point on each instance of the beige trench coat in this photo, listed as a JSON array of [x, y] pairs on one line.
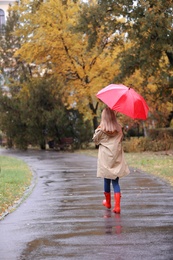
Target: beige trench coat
[[111, 163]]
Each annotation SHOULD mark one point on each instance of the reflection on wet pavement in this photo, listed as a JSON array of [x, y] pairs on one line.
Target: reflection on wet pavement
[[64, 218]]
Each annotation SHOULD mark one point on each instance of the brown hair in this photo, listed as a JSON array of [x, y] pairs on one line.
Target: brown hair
[[109, 121]]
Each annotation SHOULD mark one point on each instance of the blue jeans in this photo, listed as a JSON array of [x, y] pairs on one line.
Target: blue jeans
[[115, 184]]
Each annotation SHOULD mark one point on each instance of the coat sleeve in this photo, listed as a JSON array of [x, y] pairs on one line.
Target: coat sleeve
[[97, 136]]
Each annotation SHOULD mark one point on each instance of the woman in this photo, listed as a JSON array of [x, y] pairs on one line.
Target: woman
[[111, 163]]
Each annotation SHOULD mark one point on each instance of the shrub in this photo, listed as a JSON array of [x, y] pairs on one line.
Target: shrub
[[160, 133], [158, 140]]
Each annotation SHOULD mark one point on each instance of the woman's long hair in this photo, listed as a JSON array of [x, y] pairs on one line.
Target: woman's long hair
[[109, 121]]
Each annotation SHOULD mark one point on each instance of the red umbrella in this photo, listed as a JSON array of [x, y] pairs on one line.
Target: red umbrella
[[124, 100]]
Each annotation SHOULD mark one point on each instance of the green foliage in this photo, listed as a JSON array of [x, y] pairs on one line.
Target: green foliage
[[34, 114], [11, 68], [143, 24], [11, 116], [42, 109], [146, 23], [81, 130]]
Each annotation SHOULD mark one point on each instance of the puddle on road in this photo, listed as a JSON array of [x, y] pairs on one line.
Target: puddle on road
[[87, 239]]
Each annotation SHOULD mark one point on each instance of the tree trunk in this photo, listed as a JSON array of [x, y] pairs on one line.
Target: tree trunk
[[95, 122], [43, 145], [94, 112], [145, 130]]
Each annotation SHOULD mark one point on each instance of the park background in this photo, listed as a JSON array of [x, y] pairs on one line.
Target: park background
[[56, 55]]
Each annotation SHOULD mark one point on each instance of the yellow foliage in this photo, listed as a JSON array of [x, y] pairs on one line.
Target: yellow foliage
[[135, 79], [46, 37]]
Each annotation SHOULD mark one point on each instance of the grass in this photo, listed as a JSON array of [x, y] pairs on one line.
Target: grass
[[15, 177], [157, 163]]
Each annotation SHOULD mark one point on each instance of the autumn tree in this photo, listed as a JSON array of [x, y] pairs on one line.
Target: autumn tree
[[49, 39], [147, 54], [31, 107], [150, 32]]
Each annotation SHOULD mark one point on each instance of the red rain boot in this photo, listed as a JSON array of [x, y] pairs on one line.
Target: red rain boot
[[117, 197], [107, 201]]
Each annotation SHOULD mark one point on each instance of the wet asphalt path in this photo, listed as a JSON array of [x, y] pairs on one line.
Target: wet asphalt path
[[63, 218]]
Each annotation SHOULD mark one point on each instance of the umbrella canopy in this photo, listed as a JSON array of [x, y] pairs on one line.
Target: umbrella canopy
[[124, 100]]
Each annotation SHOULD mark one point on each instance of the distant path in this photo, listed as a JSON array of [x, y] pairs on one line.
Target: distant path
[[64, 218]]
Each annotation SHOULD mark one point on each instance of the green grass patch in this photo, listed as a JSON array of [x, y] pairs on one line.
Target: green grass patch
[[157, 163], [15, 178]]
